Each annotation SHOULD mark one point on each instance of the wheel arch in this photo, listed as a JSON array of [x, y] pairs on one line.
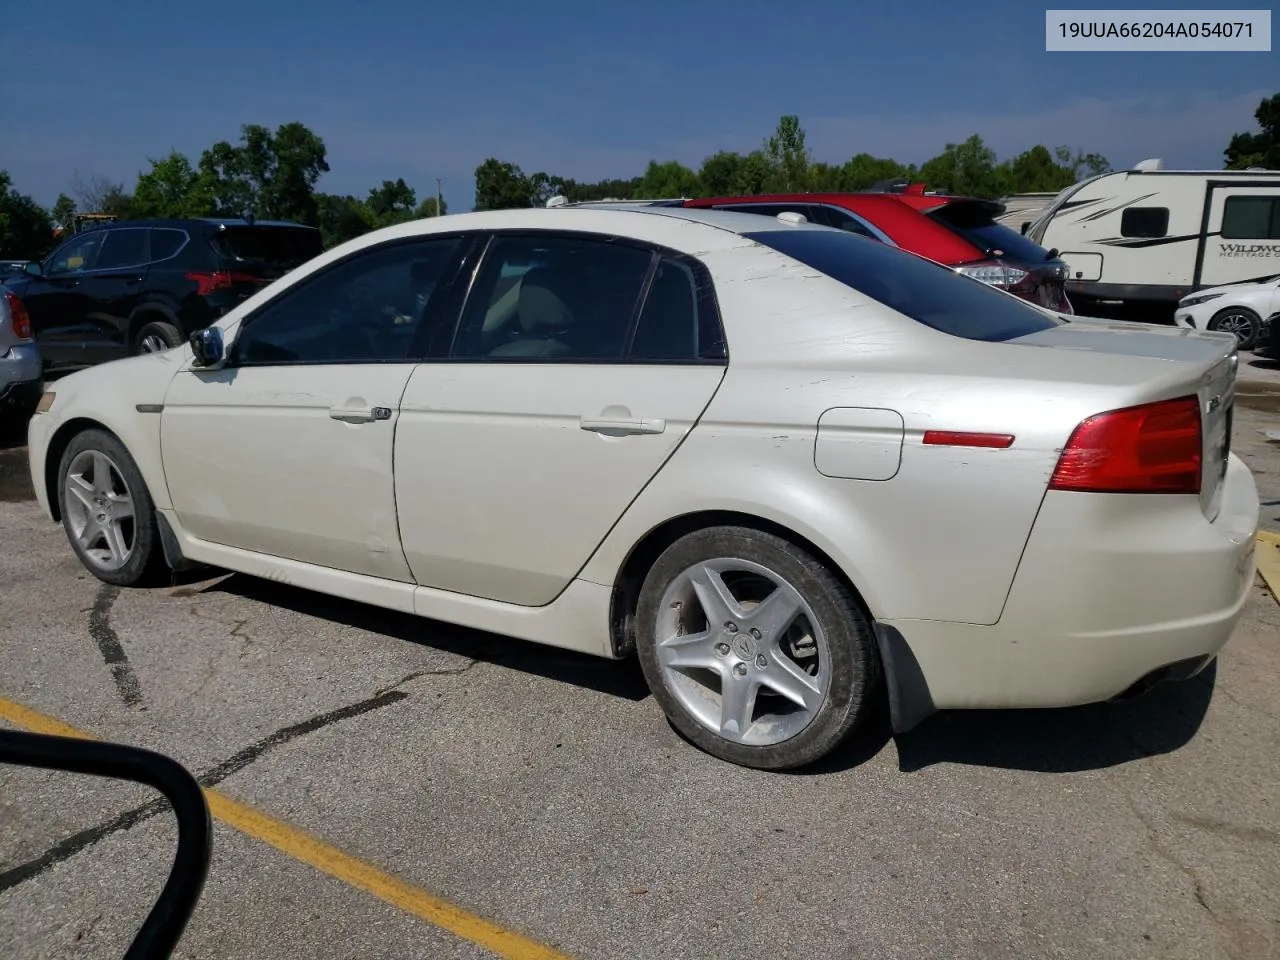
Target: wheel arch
[[57, 446], [909, 699], [642, 555]]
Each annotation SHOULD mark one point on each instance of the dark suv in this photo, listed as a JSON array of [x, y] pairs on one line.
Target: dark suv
[[137, 286]]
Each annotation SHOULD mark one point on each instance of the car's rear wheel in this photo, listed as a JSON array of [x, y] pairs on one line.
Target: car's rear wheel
[[106, 510], [157, 336], [1241, 321], [756, 651]]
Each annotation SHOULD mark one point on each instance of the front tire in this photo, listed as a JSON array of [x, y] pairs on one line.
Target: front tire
[[107, 513], [1241, 321], [756, 652]]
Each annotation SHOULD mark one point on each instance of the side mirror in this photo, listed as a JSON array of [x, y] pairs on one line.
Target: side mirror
[[33, 269], [207, 346]]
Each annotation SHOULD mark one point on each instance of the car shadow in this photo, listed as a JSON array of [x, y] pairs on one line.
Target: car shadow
[[622, 679], [1067, 740]]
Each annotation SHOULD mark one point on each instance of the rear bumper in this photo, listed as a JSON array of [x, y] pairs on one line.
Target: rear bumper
[[21, 378], [1110, 589]]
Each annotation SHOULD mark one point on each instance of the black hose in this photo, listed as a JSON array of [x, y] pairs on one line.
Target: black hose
[[165, 923]]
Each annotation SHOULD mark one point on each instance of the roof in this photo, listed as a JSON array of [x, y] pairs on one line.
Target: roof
[[184, 222]]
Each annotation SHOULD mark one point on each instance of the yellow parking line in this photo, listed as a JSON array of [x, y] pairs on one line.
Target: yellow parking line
[[327, 859]]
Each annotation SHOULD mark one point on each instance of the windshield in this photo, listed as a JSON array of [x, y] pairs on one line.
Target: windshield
[[269, 245], [975, 224], [918, 288]]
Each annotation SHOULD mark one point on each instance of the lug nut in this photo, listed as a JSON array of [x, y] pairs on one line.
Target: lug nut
[[755, 632], [731, 627], [761, 661], [740, 669], [722, 649]]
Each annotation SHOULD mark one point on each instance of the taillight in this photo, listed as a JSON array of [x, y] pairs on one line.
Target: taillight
[[18, 314], [1154, 448], [206, 283], [996, 273]]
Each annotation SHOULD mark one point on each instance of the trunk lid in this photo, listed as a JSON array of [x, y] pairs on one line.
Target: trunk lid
[[1203, 363]]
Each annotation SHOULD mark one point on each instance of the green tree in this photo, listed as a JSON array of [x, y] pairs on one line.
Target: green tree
[[25, 229], [667, 180], [392, 202], [173, 188], [720, 173], [63, 212], [1258, 149], [431, 206], [272, 175], [342, 218], [967, 168], [502, 186], [100, 195], [788, 156]]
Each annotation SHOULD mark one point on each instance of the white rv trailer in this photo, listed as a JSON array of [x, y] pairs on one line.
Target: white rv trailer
[[1022, 209], [1156, 235]]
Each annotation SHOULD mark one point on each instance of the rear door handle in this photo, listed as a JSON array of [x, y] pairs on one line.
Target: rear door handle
[[360, 414], [616, 426]]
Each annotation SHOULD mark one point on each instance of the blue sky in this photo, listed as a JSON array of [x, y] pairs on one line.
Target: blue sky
[[587, 90]]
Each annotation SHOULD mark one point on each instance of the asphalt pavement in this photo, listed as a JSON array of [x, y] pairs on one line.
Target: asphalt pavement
[[481, 789]]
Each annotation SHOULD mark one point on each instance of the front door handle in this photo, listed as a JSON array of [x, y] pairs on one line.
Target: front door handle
[[622, 426], [360, 414]]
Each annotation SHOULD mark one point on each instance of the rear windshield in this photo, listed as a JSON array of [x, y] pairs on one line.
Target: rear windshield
[[975, 224], [281, 246], [918, 288]]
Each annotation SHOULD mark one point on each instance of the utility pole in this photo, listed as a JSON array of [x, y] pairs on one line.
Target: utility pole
[[439, 197]]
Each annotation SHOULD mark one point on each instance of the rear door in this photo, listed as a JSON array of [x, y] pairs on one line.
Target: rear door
[[1243, 239], [579, 366]]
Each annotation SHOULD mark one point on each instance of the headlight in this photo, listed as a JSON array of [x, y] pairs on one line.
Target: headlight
[[1192, 301], [46, 402]]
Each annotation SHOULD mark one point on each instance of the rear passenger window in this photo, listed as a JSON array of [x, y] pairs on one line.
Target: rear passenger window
[[166, 242], [553, 299], [679, 322], [1251, 218], [1149, 222], [123, 248]]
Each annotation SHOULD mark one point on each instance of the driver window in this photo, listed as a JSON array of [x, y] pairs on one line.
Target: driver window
[[75, 256], [367, 309]]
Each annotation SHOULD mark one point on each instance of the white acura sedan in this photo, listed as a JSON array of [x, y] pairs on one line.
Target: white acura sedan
[[786, 466]]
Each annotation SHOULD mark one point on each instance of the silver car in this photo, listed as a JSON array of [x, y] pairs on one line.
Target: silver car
[[21, 371]]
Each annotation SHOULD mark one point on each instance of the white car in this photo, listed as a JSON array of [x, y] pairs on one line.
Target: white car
[[786, 466], [1240, 309]]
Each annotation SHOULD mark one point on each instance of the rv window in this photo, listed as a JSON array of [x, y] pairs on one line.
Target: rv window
[[1144, 222], [1251, 218]]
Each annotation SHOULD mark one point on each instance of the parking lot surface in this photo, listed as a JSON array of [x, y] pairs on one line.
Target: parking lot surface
[[541, 795]]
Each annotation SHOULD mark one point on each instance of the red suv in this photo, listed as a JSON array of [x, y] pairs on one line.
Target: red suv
[[959, 232]]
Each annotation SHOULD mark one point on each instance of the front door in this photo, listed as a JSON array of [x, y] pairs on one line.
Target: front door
[[57, 301], [111, 291], [287, 450], [562, 397]]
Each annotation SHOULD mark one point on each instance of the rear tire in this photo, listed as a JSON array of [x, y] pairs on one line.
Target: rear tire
[[1241, 321], [156, 336], [107, 512], [756, 652]]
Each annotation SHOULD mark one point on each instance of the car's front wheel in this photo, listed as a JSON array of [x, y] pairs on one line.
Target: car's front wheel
[[106, 510], [1241, 321], [755, 650]]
